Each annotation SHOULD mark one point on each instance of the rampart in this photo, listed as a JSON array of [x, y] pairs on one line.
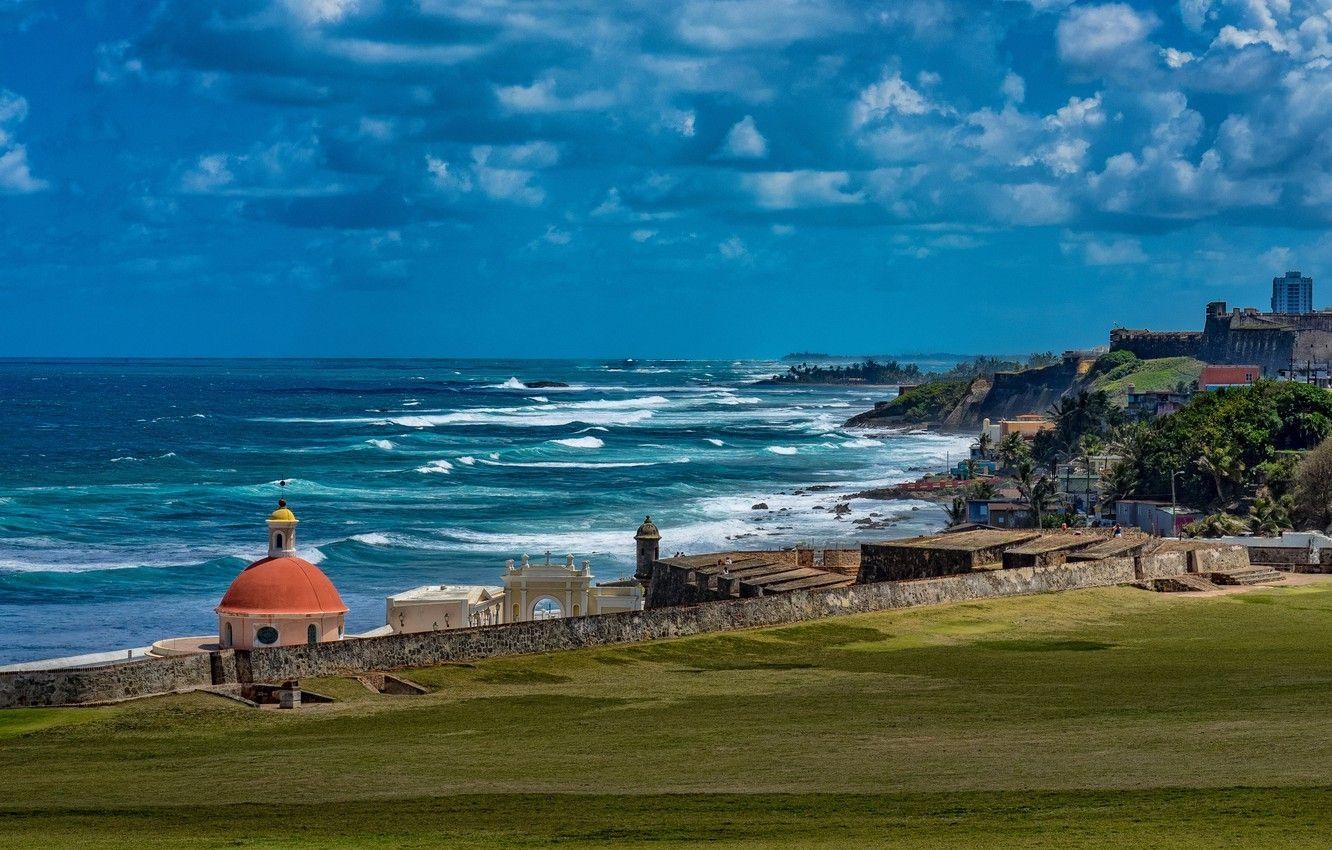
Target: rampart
[[395, 652], [1150, 345]]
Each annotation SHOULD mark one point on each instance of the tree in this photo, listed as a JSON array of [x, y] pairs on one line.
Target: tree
[[1270, 516], [1012, 449], [957, 511], [982, 490], [1223, 463], [984, 443], [1215, 525], [1042, 497], [1311, 489]]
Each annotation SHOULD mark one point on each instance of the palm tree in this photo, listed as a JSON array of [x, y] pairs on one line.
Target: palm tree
[[1041, 498], [957, 511], [1224, 465], [984, 443], [1268, 516], [1012, 448], [1216, 525], [982, 489]]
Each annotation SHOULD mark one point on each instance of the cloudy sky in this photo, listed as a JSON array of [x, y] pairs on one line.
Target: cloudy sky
[[560, 177]]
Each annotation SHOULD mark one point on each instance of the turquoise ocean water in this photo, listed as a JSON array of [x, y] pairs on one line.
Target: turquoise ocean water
[[132, 492]]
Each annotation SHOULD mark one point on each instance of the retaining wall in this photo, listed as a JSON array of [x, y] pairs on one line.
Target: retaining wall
[[394, 652], [110, 683]]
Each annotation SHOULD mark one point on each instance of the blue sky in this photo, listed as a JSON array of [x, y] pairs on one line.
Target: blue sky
[[565, 178]]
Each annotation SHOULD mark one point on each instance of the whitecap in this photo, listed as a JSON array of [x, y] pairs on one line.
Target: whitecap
[[568, 464], [783, 450], [714, 441], [467, 460], [594, 428], [861, 443], [373, 538], [123, 459], [386, 445], [436, 466], [511, 384], [539, 399], [581, 442]]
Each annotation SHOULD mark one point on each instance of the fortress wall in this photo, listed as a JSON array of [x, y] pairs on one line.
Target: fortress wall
[[359, 655], [845, 561], [426, 649], [1220, 558], [1150, 345], [110, 683]]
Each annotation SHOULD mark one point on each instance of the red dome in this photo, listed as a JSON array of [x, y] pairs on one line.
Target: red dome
[[284, 585]]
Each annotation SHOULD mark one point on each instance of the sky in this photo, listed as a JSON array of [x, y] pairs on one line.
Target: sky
[[650, 179]]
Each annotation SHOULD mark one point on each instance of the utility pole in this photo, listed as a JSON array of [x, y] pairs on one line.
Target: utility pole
[[1174, 506]]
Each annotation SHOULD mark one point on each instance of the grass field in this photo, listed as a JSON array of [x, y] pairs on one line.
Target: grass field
[[1153, 375], [1108, 718]]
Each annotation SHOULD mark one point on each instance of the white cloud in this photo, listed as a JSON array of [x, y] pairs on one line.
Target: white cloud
[[556, 236], [16, 177], [209, 174], [1104, 252], [1014, 88], [1031, 204], [733, 249], [1105, 39], [642, 235], [890, 95], [784, 190], [744, 141], [541, 96]]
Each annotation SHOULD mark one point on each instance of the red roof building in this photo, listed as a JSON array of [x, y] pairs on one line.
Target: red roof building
[[280, 600], [1219, 377]]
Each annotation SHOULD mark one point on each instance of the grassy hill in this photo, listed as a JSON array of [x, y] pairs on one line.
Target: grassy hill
[[1107, 718], [1149, 375]]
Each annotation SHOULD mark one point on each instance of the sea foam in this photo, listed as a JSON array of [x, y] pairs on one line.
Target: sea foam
[[581, 442], [436, 466]]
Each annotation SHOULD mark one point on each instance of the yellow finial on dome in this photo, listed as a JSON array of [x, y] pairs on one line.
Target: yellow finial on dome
[[283, 513]]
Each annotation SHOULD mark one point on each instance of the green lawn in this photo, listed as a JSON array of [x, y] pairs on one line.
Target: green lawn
[[1092, 719], [1153, 375]]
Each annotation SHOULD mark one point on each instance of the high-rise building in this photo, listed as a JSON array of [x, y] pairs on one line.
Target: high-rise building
[[1292, 293]]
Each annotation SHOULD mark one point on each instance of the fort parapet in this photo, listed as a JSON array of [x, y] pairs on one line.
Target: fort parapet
[[1273, 341]]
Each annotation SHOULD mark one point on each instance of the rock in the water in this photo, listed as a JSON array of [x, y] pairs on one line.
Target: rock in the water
[[544, 385], [842, 508], [761, 506]]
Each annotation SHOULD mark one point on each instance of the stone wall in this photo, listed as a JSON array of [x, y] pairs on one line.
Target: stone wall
[[1161, 564], [1150, 345], [1218, 559], [1278, 554], [396, 652], [109, 683], [901, 561], [845, 561]]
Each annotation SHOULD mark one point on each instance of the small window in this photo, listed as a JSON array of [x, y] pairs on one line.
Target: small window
[[267, 635], [227, 639], [277, 541], [312, 634]]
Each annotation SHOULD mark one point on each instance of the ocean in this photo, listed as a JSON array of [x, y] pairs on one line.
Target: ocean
[[132, 492]]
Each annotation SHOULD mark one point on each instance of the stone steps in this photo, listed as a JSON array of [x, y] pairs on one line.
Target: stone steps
[[1180, 584], [1252, 575]]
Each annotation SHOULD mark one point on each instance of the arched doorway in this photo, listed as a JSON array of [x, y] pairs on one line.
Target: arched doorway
[[547, 608], [312, 635]]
